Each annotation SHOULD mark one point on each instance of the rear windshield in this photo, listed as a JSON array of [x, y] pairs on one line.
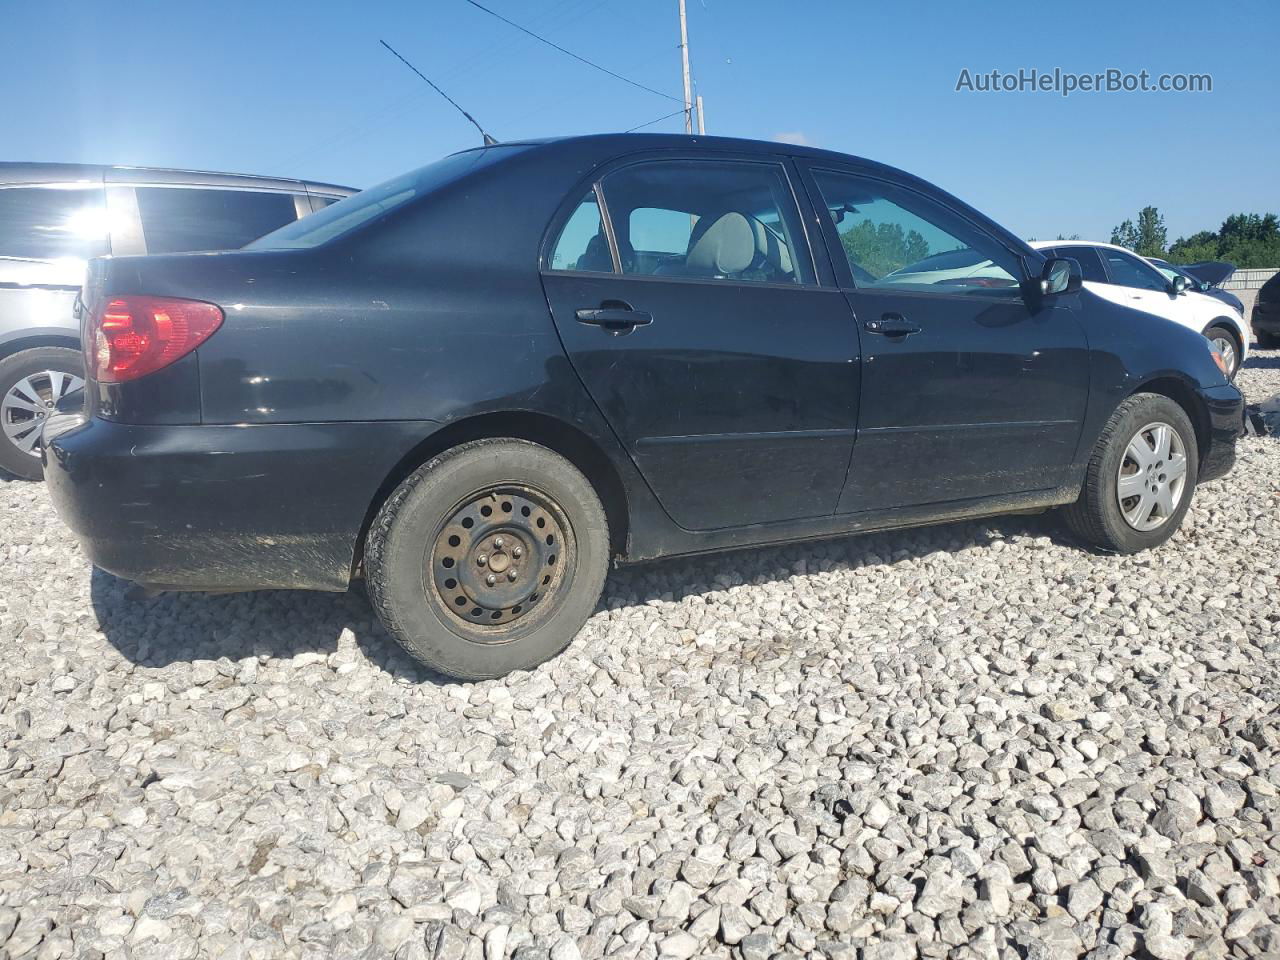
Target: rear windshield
[[346, 215]]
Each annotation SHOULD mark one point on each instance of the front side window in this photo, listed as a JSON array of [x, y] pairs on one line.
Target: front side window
[[1128, 271], [53, 223], [582, 244], [895, 238], [707, 220], [179, 219], [1087, 257]]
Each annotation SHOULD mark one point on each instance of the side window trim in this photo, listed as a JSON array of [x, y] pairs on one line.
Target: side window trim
[[594, 181], [606, 221], [835, 249]]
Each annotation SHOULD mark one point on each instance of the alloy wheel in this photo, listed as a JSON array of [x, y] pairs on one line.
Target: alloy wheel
[[30, 402], [1152, 476]]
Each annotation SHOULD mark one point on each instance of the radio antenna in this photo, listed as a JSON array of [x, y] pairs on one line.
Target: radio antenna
[[488, 140]]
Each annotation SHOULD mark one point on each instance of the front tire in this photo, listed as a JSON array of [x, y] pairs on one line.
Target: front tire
[[1267, 341], [31, 384], [488, 559], [1140, 478]]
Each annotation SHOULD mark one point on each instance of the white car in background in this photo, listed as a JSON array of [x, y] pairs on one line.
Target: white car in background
[[1123, 277]]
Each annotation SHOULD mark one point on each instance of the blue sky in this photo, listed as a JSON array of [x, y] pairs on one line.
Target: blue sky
[[304, 89]]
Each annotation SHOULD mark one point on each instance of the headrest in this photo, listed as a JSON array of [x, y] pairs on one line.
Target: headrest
[[725, 247]]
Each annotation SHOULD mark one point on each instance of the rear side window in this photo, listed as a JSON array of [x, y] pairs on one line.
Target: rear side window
[[51, 223], [1087, 257], [582, 244], [178, 219], [707, 220], [1270, 290], [897, 239]]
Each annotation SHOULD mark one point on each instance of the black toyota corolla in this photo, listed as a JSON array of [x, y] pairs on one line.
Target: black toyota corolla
[[479, 383]]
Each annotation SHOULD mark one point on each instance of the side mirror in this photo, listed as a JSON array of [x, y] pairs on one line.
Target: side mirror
[[1178, 285], [1060, 275]]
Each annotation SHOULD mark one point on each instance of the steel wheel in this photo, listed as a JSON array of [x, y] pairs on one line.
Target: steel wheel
[[500, 554], [29, 402], [1226, 348], [1152, 476]]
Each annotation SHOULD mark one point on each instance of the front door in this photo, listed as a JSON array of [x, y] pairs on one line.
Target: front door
[[969, 390], [692, 315]]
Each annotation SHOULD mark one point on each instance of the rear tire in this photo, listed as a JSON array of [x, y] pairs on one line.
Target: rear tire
[[31, 383], [1228, 345], [1268, 341], [1103, 516], [488, 559]]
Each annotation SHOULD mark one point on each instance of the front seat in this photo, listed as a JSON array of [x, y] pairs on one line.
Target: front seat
[[772, 255], [723, 247]]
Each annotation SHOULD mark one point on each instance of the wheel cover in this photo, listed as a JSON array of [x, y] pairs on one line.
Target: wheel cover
[[1152, 477], [501, 554], [1226, 349], [31, 401]]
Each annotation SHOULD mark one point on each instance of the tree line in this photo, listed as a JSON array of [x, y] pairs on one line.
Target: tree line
[[1245, 239]]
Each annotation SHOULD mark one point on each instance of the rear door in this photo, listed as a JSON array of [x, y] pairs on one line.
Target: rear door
[[692, 312], [969, 390]]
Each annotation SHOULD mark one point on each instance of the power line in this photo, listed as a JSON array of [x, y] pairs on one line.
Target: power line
[[556, 46], [488, 140], [674, 113]]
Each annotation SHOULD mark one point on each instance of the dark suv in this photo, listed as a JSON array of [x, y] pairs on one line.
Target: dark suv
[[1266, 314], [482, 381], [55, 216]]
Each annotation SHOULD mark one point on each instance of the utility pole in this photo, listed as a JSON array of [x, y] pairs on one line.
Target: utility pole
[[684, 56], [702, 118]]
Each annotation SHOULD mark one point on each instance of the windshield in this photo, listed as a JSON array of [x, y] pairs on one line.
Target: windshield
[[346, 215]]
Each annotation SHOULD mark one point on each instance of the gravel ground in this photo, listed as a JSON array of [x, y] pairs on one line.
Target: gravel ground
[[968, 741]]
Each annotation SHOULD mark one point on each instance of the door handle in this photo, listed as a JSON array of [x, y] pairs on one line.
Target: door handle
[[614, 316], [892, 325]]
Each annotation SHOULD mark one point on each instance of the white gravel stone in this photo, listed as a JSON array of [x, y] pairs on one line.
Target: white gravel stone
[[967, 741]]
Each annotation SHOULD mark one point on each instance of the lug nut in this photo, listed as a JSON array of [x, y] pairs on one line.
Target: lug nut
[[512, 574], [517, 552], [482, 559], [498, 543], [491, 579]]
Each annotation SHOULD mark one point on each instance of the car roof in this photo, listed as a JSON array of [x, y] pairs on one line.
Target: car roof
[[18, 172], [605, 144], [1045, 244]]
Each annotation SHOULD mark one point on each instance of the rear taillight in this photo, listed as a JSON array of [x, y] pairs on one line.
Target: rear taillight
[[133, 336]]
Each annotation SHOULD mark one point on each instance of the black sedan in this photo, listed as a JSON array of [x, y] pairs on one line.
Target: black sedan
[[481, 382]]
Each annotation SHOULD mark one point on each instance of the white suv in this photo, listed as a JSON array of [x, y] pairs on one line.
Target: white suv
[[1125, 278]]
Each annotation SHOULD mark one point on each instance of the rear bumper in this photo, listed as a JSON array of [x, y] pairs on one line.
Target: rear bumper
[[1226, 422], [223, 507]]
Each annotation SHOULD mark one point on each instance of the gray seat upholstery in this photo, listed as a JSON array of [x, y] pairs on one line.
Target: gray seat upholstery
[[722, 246], [771, 253]]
